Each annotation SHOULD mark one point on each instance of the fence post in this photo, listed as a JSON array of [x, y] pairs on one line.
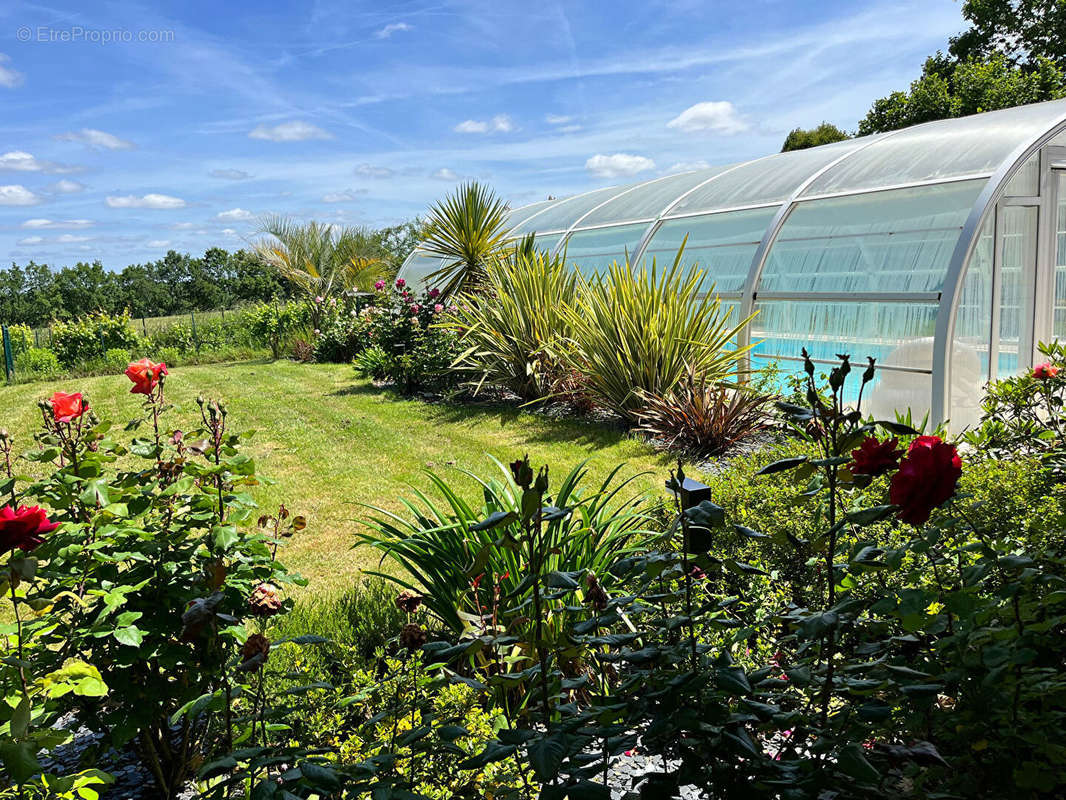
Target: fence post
[[144, 326], [36, 337], [195, 338], [9, 362]]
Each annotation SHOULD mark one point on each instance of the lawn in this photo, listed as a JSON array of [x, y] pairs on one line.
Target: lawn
[[331, 442]]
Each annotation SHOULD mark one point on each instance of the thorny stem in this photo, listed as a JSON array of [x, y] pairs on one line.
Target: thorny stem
[[685, 567], [533, 531]]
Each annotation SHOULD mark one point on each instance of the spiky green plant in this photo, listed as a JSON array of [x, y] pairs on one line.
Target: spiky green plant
[[467, 230], [638, 331], [442, 550], [511, 325], [320, 260]]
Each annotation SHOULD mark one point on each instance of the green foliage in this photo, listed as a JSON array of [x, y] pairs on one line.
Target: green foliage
[[116, 359], [21, 338], [801, 139], [36, 363], [90, 337], [467, 231], [639, 332], [515, 321], [464, 567], [404, 341], [345, 331], [321, 261]]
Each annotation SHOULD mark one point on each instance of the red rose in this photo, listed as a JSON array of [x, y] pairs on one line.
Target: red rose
[[875, 457], [1045, 371], [926, 479], [68, 407], [23, 527], [145, 375]]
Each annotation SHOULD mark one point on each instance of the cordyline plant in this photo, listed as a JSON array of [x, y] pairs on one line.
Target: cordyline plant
[[148, 567]]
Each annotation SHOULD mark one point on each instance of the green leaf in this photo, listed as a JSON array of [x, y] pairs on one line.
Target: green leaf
[[868, 516], [494, 751], [706, 515], [853, 762], [450, 733], [95, 493], [897, 428], [782, 465], [224, 536], [749, 533], [19, 760], [733, 679], [129, 636], [20, 718], [320, 777], [546, 756], [494, 520]]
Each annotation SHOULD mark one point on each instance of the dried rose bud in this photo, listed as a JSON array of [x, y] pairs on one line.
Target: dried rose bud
[[254, 653], [412, 636], [265, 600], [596, 597], [408, 602]]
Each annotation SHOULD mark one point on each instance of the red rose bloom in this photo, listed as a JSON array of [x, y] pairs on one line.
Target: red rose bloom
[[1045, 371], [23, 527], [68, 407], [926, 479], [145, 375], [875, 457]]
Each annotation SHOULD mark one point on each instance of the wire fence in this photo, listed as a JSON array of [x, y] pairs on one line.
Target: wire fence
[[147, 326]]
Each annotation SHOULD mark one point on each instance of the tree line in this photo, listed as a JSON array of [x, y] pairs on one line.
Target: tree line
[[1013, 53], [36, 294]]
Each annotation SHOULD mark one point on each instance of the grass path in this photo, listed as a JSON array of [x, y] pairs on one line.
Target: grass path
[[331, 442]]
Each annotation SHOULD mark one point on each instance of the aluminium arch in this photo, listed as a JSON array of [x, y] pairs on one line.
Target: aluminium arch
[[960, 260]]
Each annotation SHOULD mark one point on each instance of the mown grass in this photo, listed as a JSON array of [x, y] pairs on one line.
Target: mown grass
[[331, 442]]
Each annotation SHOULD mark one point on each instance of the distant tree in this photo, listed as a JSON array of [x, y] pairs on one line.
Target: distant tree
[[320, 260], [1023, 31], [802, 138], [397, 242]]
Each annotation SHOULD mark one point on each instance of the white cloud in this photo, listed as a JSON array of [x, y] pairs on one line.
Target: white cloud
[[235, 214], [147, 201], [39, 222], [96, 139], [17, 195], [557, 119], [21, 161], [229, 231], [342, 197], [370, 171], [501, 123], [64, 186], [9, 78], [289, 132], [715, 116], [391, 28], [471, 126], [230, 174], [158, 243], [31, 240], [445, 174], [687, 166], [70, 238], [183, 226], [569, 129], [618, 165]]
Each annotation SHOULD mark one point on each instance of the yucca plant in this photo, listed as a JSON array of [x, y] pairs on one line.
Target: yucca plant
[[704, 417], [320, 260], [639, 332], [467, 230], [512, 324], [459, 564]]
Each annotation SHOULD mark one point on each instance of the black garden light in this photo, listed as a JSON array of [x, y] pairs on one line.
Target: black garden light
[[692, 493]]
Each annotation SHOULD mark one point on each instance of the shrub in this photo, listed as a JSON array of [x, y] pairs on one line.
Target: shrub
[[116, 359], [372, 363], [407, 328], [169, 356], [640, 332], [37, 362], [345, 332], [274, 324], [144, 589], [21, 338], [88, 338], [512, 325], [703, 416]]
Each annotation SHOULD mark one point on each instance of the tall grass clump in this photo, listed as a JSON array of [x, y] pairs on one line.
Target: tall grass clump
[[637, 332], [513, 325]]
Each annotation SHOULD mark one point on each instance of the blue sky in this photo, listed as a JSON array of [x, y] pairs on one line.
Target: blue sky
[[127, 130]]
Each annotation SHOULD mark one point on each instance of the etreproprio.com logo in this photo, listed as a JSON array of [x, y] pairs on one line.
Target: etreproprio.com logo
[[45, 34]]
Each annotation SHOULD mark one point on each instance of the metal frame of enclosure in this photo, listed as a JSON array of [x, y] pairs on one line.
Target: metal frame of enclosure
[[939, 249]]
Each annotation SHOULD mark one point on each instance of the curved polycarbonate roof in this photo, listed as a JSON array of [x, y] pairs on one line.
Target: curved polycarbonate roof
[[858, 246]]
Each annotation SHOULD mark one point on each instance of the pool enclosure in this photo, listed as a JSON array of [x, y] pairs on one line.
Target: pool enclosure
[[938, 249]]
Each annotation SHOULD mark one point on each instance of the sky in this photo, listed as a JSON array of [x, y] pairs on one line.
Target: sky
[[128, 129]]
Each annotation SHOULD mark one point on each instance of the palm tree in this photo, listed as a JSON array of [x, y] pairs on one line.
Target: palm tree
[[466, 230], [321, 260]]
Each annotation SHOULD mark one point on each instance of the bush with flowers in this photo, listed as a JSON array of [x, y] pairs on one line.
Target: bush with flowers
[[141, 574], [412, 349]]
